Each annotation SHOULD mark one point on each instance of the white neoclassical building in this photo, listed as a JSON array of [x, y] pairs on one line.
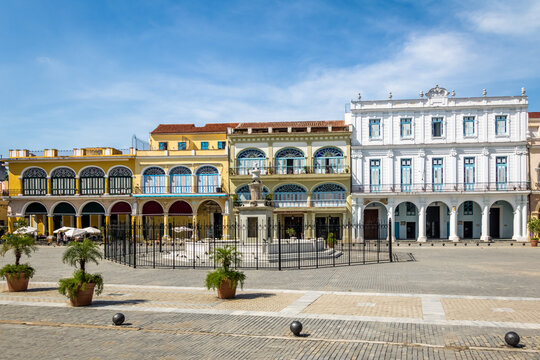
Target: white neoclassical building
[[441, 167]]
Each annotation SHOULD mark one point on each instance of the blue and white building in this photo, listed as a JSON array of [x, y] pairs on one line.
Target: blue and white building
[[440, 166]]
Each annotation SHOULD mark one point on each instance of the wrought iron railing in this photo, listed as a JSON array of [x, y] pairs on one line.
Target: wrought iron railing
[[275, 246], [448, 187]]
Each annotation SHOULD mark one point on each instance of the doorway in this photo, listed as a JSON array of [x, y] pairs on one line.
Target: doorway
[[371, 224], [467, 229], [294, 222], [411, 230], [494, 218], [433, 222]]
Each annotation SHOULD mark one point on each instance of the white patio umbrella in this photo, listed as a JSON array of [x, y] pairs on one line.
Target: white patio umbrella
[[75, 232], [25, 230], [62, 229], [92, 231], [182, 229]]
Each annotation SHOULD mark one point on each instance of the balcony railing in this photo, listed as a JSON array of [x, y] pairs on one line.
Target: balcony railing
[[329, 199], [292, 170], [448, 187], [173, 190], [65, 192]]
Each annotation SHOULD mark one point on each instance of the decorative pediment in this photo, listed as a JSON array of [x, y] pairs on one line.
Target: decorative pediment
[[437, 92]]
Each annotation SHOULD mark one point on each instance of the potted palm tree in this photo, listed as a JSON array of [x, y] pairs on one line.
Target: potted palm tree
[[291, 232], [223, 278], [17, 275], [331, 240], [534, 227], [80, 287]]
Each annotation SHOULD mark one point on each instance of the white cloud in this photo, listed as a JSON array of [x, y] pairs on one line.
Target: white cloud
[[506, 18]]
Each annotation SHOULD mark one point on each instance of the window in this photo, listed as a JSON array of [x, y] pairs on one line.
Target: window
[[221, 145], [500, 125], [437, 173], [182, 145], [501, 173], [406, 175], [375, 175], [204, 145], [162, 146], [411, 209], [406, 128], [468, 208], [375, 128], [468, 126], [469, 173], [437, 126]]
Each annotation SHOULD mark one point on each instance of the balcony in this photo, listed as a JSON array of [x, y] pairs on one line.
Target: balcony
[[448, 187], [66, 192], [291, 170], [177, 190]]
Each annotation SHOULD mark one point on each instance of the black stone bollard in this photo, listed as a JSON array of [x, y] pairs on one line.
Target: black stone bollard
[[118, 319], [296, 328], [512, 338]]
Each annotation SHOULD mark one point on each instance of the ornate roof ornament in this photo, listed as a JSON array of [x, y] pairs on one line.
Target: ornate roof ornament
[[359, 96], [421, 94], [453, 152], [390, 95], [437, 92], [522, 91], [484, 92], [453, 93]]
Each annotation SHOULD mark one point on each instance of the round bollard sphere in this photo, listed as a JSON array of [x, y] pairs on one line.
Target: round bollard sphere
[[296, 328], [118, 319], [512, 338]]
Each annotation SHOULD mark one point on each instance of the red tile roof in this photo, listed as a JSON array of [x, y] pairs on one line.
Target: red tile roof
[[294, 124], [191, 128], [534, 115]]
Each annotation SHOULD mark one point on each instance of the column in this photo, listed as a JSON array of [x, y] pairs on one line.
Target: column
[[49, 185], [193, 183], [195, 230], [79, 222], [359, 223], [77, 186], [390, 218], [50, 224], [309, 195], [106, 185], [227, 226], [453, 236], [166, 226], [313, 227], [517, 223], [422, 224], [485, 224], [275, 224], [139, 224], [307, 230], [11, 228], [345, 226], [524, 227]]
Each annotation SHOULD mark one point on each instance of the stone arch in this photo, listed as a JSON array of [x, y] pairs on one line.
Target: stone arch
[[329, 195], [501, 220], [119, 171], [469, 218], [63, 181], [34, 181], [91, 170], [438, 220], [406, 220], [34, 171], [35, 208], [244, 194]]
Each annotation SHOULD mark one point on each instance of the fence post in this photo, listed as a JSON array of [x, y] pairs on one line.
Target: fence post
[[153, 247], [390, 240], [135, 245], [173, 247], [279, 244], [349, 232]]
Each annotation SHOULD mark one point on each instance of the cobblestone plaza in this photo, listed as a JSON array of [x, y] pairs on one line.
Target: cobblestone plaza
[[420, 309]]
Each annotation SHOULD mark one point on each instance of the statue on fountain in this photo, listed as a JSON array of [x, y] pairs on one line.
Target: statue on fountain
[[255, 187]]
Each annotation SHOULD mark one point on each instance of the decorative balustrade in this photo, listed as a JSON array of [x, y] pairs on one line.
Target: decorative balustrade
[[448, 187]]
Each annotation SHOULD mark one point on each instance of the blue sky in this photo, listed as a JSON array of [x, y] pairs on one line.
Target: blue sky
[[91, 73]]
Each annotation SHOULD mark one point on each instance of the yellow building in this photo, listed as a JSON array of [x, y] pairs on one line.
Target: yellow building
[[3, 204], [305, 170], [182, 181], [534, 163], [79, 188]]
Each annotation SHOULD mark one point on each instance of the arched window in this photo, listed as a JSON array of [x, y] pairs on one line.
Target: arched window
[[207, 179], [154, 181], [181, 180], [120, 181], [34, 182], [250, 158], [329, 160], [244, 194], [92, 181], [63, 182], [290, 161], [290, 195], [327, 195]]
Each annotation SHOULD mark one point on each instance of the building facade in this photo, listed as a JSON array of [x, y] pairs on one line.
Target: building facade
[[304, 168], [79, 188], [534, 163], [441, 167], [183, 179]]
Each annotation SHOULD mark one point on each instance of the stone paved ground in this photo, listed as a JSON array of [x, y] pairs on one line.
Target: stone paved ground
[[375, 312]]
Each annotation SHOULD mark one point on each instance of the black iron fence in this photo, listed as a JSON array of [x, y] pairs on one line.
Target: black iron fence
[[261, 247]]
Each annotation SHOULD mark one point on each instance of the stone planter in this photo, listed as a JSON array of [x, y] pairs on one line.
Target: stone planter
[[17, 282], [83, 297], [225, 291]]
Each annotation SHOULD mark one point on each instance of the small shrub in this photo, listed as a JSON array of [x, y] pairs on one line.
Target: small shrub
[[10, 270]]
